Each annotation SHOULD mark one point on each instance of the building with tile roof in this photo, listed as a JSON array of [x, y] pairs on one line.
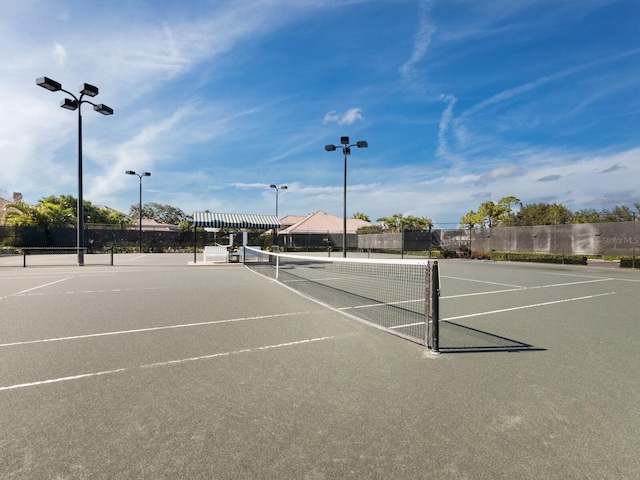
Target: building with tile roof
[[318, 229]]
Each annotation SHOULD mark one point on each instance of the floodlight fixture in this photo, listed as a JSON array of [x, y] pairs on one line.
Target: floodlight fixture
[[346, 150], [88, 90], [103, 109], [49, 84], [139, 175], [277, 189], [75, 103], [69, 104]]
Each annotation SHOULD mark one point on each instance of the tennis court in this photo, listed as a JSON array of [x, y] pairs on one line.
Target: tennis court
[[153, 369]]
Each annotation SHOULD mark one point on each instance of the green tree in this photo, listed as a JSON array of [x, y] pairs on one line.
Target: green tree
[[492, 214], [369, 229], [61, 211], [398, 222], [21, 215], [361, 216], [159, 212], [92, 213], [44, 214], [617, 214], [504, 209], [471, 219], [586, 215], [543, 214]]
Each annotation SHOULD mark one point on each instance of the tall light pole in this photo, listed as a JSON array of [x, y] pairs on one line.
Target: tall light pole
[[140, 175], [275, 230], [346, 149], [76, 104]]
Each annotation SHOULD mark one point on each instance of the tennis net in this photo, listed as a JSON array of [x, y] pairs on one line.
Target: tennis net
[[399, 296]]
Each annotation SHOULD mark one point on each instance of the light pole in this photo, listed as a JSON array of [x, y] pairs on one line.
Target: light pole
[[346, 149], [145, 174], [76, 104], [275, 230]]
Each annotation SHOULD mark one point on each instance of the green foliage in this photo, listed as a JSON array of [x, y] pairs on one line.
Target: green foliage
[[539, 258], [159, 212], [628, 262], [185, 226], [543, 214], [361, 216], [398, 222], [92, 213], [369, 230], [60, 212], [490, 214]]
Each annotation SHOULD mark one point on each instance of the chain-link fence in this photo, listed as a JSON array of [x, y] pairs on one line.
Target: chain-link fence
[[98, 238]]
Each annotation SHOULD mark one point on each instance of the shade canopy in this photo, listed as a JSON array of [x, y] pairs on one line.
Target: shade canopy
[[235, 220]]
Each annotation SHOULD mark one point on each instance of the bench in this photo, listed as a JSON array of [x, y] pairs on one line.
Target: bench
[[216, 254]]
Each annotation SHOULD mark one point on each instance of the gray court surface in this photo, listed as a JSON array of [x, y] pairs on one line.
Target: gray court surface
[[153, 369]]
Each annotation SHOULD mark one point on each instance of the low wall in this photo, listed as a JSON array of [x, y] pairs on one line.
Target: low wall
[[615, 238]]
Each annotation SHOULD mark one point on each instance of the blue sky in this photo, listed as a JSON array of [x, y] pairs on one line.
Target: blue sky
[[460, 101]]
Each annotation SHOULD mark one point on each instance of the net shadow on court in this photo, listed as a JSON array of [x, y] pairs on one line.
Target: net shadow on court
[[457, 338]]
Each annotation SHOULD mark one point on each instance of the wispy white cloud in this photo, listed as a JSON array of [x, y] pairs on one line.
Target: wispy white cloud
[[345, 118], [445, 122], [421, 42], [207, 100], [59, 54]]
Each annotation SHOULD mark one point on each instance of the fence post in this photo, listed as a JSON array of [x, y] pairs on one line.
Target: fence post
[[112, 255]]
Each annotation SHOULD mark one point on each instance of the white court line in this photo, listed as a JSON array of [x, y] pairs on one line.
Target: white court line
[[34, 288], [483, 281], [521, 289], [522, 307], [136, 258], [161, 364], [150, 329]]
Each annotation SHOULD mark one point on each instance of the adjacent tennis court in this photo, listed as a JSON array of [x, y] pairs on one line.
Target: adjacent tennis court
[[154, 369]]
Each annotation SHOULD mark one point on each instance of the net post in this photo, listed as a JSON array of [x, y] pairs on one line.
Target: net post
[[435, 309], [427, 306], [112, 255], [277, 266], [24, 258]]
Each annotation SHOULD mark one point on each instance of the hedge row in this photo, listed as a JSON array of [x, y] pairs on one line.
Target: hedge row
[[628, 262], [539, 258]]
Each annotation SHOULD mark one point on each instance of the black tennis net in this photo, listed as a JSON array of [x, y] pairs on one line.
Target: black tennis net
[[399, 296]]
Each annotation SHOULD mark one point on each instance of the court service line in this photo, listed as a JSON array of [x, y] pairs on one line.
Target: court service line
[[162, 364], [34, 288], [523, 307], [536, 287], [149, 329], [483, 281]]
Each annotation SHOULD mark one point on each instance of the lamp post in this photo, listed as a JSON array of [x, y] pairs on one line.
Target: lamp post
[[275, 230], [145, 174], [76, 104], [346, 150]]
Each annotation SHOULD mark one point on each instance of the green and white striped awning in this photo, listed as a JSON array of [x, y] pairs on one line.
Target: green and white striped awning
[[235, 220]]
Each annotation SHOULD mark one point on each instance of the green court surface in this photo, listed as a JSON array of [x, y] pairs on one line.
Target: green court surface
[[154, 369]]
